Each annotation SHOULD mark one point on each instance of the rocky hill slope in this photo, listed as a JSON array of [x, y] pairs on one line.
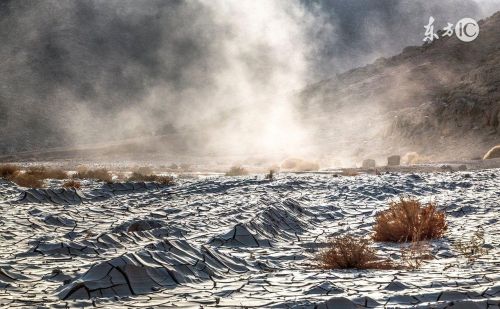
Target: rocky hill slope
[[441, 99]]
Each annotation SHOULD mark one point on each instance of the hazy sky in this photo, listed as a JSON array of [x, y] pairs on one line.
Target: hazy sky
[[78, 72]]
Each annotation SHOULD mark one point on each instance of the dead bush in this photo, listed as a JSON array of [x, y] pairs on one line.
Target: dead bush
[[164, 180], [348, 252], [270, 175], [237, 171], [28, 181], [415, 254], [7, 171], [408, 220], [473, 247], [42, 172], [72, 184], [100, 174]]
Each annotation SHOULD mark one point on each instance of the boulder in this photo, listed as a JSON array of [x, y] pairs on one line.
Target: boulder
[[492, 153], [394, 160], [369, 163]]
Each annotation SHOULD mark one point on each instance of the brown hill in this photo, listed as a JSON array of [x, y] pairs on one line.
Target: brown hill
[[441, 99]]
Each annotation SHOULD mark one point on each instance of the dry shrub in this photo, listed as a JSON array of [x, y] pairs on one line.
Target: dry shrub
[[72, 184], [164, 180], [237, 171], [408, 220], [42, 172], [473, 247], [100, 174], [299, 165], [414, 255], [348, 252], [28, 181], [7, 171], [270, 175]]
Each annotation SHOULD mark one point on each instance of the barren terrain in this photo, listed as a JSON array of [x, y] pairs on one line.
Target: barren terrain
[[239, 241]]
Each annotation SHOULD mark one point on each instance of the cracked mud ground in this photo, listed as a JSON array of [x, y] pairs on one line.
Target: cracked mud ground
[[233, 242]]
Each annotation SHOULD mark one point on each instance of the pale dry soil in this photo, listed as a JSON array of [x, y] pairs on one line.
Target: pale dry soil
[[239, 241]]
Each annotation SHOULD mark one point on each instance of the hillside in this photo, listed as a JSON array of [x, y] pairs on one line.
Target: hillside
[[440, 99]]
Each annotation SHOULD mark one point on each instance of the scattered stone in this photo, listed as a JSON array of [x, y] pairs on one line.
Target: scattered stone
[[492, 153]]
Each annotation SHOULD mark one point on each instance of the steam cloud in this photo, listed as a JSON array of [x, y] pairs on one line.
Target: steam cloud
[[223, 75]]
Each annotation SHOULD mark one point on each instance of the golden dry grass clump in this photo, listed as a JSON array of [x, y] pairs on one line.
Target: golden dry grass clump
[[13, 173], [299, 165], [28, 181], [8, 170], [348, 252], [237, 171], [42, 172], [164, 180], [100, 174], [408, 220], [72, 184]]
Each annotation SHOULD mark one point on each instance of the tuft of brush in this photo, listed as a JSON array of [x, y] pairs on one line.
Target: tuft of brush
[[164, 180], [99, 174], [349, 252], [72, 184], [237, 171], [407, 220]]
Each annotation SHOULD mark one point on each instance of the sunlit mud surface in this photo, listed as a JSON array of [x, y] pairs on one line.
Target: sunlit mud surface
[[240, 241]]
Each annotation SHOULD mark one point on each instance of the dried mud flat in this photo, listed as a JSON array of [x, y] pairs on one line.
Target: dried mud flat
[[240, 241]]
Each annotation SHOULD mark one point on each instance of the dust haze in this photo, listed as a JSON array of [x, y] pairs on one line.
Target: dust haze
[[218, 77]]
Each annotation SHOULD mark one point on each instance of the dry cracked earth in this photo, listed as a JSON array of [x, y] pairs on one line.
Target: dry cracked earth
[[239, 242]]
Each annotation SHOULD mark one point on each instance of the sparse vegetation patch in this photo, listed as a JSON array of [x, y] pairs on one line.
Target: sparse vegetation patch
[[473, 247], [42, 172], [100, 174], [348, 252], [408, 220], [164, 180], [237, 171], [72, 184]]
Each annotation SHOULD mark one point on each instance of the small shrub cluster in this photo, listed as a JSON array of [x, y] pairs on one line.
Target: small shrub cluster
[[408, 220], [164, 180], [348, 252], [237, 171], [28, 181], [15, 174], [414, 255], [473, 247], [42, 172], [270, 175], [100, 174], [8, 170], [72, 184]]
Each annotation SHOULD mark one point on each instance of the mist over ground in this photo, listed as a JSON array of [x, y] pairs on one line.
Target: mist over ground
[[222, 76]]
